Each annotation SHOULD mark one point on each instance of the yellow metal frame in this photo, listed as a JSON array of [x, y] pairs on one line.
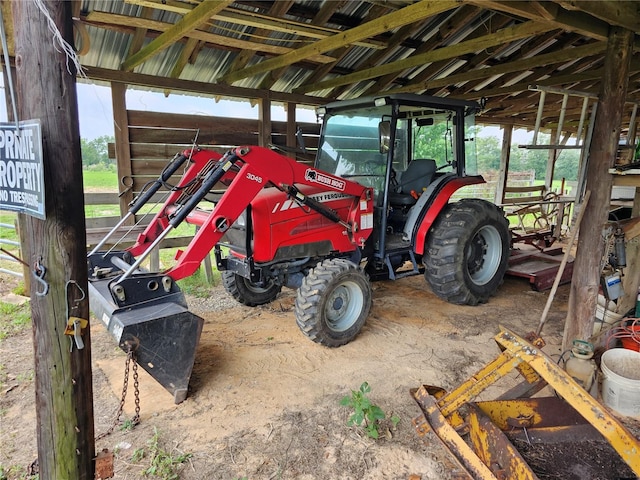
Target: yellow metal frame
[[440, 409]]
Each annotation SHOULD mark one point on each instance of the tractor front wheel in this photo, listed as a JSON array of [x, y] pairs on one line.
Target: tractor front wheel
[[467, 252], [248, 293], [333, 302]]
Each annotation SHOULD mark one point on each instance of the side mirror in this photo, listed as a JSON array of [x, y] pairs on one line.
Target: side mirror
[[384, 135]]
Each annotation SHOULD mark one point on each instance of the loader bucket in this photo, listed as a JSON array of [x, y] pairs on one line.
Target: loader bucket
[[159, 329]]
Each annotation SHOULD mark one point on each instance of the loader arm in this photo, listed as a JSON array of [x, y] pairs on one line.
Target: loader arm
[[145, 311], [246, 170]]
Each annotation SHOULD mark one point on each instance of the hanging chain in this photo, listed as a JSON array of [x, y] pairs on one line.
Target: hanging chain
[[136, 392]]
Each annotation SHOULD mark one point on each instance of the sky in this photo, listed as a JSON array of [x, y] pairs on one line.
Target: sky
[[95, 110], [96, 114]]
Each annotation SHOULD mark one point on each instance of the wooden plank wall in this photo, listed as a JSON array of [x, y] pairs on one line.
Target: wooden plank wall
[[154, 138]]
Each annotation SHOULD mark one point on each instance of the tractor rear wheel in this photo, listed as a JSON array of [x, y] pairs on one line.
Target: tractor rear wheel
[[333, 302], [248, 293], [467, 252]]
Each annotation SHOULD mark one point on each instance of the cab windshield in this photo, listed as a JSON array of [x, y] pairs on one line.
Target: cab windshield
[[350, 146]]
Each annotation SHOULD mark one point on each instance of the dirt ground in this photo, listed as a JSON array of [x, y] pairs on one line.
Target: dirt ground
[[264, 400]]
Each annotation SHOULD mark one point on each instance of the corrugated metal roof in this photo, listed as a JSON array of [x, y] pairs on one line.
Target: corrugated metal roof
[[374, 60]]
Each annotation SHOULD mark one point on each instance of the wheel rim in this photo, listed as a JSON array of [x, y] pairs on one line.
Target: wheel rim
[[343, 306], [484, 255], [252, 287]]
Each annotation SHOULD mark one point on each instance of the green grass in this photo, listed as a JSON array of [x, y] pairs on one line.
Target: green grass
[[13, 319], [100, 180], [163, 463], [197, 284]]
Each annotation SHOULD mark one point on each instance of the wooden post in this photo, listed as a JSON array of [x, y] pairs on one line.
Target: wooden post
[[507, 131], [602, 153], [291, 128], [123, 150], [46, 90], [264, 122]]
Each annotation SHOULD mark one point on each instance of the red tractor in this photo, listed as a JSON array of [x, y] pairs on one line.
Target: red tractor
[[376, 205]]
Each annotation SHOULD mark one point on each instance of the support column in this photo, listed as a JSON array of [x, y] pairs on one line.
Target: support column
[[507, 131], [604, 144], [46, 90], [123, 148], [291, 128], [264, 122]]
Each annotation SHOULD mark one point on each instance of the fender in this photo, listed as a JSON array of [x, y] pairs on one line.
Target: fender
[[436, 206]]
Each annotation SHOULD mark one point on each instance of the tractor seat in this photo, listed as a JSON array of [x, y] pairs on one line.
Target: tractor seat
[[417, 176]]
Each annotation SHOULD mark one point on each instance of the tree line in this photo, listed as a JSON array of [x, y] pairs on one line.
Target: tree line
[[95, 156], [522, 159], [95, 153]]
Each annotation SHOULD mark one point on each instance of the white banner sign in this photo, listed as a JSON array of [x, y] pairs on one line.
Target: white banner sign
[[21, 170]]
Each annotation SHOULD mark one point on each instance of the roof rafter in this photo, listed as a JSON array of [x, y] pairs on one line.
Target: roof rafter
[[278, 8], [114, 19], [404, 16], [192, 20], [571, 21], [500, 37], [459, 20], [622, 13], [510, 67], [267, 22]]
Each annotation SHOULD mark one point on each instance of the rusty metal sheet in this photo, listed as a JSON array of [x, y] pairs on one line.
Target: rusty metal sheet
[[432, 420], [494, 448], [104, 465]]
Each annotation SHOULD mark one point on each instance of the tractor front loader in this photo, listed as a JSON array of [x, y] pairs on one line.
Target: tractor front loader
[[376, 205], [146, 311]]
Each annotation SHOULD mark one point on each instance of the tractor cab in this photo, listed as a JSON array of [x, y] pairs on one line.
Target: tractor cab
[[408, 148]]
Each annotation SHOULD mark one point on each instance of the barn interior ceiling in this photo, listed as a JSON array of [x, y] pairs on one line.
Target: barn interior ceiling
[[312, 51]]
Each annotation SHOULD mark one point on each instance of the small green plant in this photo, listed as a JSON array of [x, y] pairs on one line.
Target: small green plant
[[197, 284], [15, 472], [163, 464], [127, 425], [365, 412], [13, 318]]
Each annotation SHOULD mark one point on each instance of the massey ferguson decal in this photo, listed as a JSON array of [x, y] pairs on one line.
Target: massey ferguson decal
[[324, 179], [318, 197]]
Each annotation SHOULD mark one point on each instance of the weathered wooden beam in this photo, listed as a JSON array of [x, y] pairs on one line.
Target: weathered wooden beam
[[105, 20], [140, 35], [505, 157], [410, 14], [192, 20], [500, 37], [270, 22], [277, 9], [46, 90], [123, 153], [602, 153], [515, 66], [204, 88], [460, 20], [264, 122], [568, 79], [624, 14], [376, 11], [185, 56], [578, 22]]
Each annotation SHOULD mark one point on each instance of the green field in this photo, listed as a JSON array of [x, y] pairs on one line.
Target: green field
[[105, 181]]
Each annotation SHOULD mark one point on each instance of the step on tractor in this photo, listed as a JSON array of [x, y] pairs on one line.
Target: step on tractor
[[376, 205]]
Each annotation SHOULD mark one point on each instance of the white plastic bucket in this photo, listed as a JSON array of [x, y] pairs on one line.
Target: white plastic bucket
[[605, 314], [621, 383]]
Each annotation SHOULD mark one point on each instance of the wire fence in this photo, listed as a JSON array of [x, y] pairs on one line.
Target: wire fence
[[12, 245]]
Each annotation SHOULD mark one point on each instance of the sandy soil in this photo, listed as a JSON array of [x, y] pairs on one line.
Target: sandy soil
[[265, 400]]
